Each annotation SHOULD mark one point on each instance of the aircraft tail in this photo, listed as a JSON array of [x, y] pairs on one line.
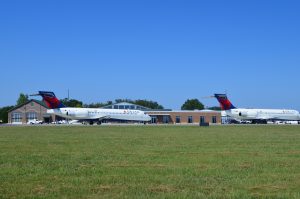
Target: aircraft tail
[[224, 102], [50, 99]]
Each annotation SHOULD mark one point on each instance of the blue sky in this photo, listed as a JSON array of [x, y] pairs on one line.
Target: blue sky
[[166, 51]]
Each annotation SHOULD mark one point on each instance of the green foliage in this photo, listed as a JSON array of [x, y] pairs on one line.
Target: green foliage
[[192, 104], [72, 103], [150, 162], [146, 103], [97, 105], [215, 108], [22, 99], [123, 100], [4, 113]]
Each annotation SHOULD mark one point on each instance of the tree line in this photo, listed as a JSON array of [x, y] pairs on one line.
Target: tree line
[[189, 104]]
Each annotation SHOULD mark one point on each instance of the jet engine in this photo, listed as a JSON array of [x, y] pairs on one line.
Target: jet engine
[[243, 114]]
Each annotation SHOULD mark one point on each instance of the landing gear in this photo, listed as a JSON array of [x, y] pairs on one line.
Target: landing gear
[[99, 123], [91, 122], [259, 121]]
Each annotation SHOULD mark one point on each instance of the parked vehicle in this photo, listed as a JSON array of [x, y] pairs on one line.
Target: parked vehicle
[[291, 122], [35, 121], [60, 122]]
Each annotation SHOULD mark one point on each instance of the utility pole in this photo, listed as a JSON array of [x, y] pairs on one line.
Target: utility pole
[[68, 100]]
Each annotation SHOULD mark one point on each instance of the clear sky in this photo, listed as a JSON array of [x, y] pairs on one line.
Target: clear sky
[[166, 51]]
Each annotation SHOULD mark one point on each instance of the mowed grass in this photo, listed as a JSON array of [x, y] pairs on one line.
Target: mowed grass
[[150, 162]]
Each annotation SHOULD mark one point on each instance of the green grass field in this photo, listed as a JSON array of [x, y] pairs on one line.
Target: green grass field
[[150, 162]]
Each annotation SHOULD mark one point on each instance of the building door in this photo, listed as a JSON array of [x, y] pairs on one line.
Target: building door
[[202, 119], [153, 119], [166, 119], [178, 119], [214, 119]]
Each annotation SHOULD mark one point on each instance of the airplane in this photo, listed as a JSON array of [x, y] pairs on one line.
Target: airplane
[[255, 115], [89, 115]]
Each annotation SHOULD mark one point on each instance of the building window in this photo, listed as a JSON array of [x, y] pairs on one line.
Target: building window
[[16, 117], [139, 107], [166, 119], [116, 107], [132, 107], [121, 106], [202, 119], [31, 116], [127, 107], [214, 119], [190, 119], [177, 119]]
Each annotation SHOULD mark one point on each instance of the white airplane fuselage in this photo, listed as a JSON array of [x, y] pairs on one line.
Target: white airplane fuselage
[[263, 114], [99, 114]]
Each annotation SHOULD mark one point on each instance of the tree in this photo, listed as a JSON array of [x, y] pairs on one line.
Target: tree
[[22, 99], [97, 105], [124, 100], [192, 104], [214, 108], [4, 113], [72, 103], [148, 104]]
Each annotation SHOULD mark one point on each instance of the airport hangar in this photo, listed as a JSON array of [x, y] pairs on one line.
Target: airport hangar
[[35, 109]]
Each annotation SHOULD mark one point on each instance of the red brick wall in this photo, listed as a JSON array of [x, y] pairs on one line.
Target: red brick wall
[[185, 114]]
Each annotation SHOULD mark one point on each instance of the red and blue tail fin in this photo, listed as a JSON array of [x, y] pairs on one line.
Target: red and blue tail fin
[[50, 99], [224, 102]]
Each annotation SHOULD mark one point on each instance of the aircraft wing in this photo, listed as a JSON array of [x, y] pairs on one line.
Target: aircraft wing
[[265, 117], [92, 120], [99, 117]]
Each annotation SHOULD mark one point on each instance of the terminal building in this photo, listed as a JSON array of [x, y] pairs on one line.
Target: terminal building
[[169, 116], [35, 109], [185, 117]]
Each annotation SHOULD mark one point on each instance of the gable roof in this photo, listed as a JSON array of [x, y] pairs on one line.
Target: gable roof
[[32, 100]]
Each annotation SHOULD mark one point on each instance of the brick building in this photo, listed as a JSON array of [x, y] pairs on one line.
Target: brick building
[[33, 109], [185, 117]]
